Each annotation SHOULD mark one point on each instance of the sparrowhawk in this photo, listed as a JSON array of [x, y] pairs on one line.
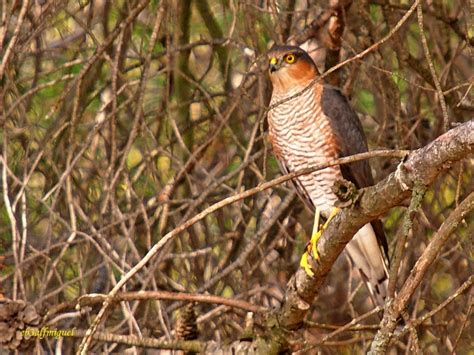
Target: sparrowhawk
[[312, 125]]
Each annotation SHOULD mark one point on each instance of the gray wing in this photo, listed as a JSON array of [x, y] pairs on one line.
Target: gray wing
[[351, 140], [349, 133]]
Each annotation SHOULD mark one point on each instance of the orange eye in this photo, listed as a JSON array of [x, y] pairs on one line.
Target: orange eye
[[290, 58]]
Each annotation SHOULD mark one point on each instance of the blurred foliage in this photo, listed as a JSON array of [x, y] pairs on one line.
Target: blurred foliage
[[114, 135]]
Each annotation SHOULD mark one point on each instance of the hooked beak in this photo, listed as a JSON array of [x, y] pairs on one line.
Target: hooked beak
[[274, 65]]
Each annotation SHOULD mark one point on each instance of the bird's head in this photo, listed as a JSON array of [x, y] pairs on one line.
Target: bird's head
[[290, 67]]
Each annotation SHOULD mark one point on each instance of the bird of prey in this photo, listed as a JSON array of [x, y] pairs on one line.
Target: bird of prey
[[312, 125]]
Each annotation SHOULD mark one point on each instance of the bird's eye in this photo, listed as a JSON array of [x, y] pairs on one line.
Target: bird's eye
[[290, 58]]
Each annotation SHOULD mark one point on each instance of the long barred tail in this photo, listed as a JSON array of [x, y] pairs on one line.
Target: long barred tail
[[366, 255]]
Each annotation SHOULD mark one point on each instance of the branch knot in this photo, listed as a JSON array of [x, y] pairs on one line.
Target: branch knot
[[346, 192]]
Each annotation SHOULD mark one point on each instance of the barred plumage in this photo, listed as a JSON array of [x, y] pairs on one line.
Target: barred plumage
[[314, 126], [301, 135]]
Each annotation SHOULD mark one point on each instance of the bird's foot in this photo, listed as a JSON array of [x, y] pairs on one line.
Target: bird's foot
[[311, 251], [312, 247]]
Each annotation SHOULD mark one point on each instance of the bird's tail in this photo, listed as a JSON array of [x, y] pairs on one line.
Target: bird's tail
[[366, 255]]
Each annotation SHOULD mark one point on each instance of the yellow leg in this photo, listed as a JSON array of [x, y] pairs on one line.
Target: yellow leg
[[316, 221], [313, 244], [334, 212]]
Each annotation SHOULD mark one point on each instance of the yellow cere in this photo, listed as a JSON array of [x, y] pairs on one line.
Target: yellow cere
[[273, 61]]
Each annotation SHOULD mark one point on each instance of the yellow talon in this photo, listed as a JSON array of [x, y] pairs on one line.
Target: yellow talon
[[313, 249], [305, 264], [313, 244]]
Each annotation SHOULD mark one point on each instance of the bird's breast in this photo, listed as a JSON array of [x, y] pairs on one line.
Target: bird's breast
[[302, 137]]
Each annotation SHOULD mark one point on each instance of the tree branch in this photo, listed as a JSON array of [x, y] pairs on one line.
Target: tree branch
[[91, 299], [146, 342], [421, 167], [218, 205], [383, 336]]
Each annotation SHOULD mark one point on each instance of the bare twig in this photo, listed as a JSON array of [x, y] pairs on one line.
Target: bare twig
[[132, 340], [382, 338], [444, 110], [227, 201], [356, 57], [87, 300]]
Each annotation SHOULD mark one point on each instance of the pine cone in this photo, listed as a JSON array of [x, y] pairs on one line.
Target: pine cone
[[186, 326], [16, 316]]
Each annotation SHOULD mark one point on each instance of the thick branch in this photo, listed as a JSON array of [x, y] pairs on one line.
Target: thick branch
[[218, 205], [421, 166]]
